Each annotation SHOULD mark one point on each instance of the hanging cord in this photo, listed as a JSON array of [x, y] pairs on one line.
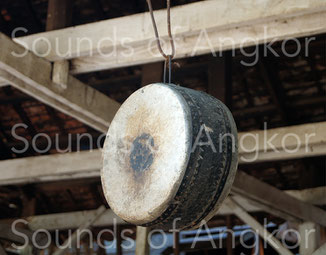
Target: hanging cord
[[167, 63], [168, 58]]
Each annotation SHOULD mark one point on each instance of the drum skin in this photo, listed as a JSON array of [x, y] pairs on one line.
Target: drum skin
[[170, 157]]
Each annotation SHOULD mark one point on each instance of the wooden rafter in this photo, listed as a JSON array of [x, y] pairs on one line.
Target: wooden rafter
[[283, 19], [261, 230], [32, 75], [275, 201]]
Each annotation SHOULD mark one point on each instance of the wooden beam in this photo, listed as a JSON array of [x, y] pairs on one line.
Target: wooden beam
[[276, 30], [282, 143], [275, 201], [315, 196], [84, 164], [32, 75], [256, 226], [225, 28]]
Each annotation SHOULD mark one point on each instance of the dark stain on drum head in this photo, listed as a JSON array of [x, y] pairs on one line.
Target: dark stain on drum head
[[141, 156], [140, 169]]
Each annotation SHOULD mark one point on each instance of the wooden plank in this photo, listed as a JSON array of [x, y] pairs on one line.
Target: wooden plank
[[32, 75], [125, 40], [276, 201], [260, 230]]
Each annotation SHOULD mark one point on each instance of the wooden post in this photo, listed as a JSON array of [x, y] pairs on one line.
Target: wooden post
[[216, 79], [60, 73], [28, 206], [220, 78], [229, 244], [59, 16], [176, 242], [119, 241], [142, 246], [152, 73], [310, 237]]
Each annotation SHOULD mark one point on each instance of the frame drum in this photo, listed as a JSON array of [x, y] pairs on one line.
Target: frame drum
[[170, 157]]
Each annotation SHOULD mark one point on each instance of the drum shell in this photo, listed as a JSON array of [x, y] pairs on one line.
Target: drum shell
[[209, 170], [210, 174]]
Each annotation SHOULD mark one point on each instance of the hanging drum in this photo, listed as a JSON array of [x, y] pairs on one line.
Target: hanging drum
[[170, 156]]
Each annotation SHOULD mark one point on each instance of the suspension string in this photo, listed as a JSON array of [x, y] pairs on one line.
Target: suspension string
[[170, 61], [167, 64], [168, 58]]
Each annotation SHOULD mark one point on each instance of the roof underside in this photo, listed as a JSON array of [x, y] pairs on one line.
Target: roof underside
[[280, 91]]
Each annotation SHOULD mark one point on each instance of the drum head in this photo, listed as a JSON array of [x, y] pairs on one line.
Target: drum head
[[146, 153]]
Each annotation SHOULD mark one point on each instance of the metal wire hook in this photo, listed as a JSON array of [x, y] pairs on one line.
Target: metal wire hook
[[149, 3]]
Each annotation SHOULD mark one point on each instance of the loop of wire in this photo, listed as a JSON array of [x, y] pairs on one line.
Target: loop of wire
[[168, 58], [168, 3]]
